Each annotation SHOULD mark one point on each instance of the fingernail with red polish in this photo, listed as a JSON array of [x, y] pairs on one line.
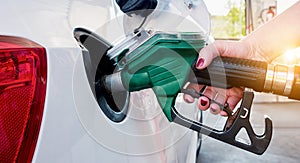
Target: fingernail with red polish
[[203, 102], [200, 62], [189, 98]]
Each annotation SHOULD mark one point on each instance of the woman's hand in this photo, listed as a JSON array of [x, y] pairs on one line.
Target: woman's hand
[[265, 43], [232, 96]]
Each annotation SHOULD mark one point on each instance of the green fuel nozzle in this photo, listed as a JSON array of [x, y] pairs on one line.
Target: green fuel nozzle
[[165, 63]]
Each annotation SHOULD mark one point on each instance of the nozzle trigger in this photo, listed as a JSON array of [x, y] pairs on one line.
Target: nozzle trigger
[[258, 143]]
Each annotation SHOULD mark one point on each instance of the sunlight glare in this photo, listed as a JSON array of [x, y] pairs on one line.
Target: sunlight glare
[[292, 56]]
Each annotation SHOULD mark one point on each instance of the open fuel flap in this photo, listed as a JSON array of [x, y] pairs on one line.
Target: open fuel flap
[[97, 65]]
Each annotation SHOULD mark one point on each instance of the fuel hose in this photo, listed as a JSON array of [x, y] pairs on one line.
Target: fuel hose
[[258, 75]]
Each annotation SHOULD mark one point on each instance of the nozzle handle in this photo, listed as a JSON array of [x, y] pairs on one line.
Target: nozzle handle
[[226, 72]]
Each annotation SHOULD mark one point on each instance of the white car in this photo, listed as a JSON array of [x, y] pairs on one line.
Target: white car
[[48, 111]]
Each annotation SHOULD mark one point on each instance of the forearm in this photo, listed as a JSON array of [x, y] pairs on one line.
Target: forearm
[[278, 35]]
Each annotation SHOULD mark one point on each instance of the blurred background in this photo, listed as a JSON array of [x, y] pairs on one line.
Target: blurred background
[[233, 20]]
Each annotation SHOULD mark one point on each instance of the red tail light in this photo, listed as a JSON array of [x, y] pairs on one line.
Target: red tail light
[[23, 75]]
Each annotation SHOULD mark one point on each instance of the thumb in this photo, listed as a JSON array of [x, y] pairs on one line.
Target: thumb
[[207, 54], [221, 48]]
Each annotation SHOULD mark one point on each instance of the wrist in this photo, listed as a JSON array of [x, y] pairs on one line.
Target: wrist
[[256, 51]]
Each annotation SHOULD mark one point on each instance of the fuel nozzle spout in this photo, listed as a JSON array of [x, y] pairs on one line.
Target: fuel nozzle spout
[[125, 81], [113, 83]]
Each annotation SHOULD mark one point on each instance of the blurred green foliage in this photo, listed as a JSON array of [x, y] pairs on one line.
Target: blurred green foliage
[[232, 24]]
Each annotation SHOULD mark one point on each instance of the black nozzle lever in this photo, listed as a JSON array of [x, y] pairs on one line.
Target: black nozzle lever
[[258, 144]]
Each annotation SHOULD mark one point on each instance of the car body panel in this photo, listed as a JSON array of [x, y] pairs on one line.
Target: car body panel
[[74, 129]]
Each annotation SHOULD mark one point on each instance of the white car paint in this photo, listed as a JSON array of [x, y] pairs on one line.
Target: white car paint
[[74, 129]]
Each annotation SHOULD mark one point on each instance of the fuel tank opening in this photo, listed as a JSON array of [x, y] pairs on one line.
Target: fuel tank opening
[[98, 65], [113, 103]]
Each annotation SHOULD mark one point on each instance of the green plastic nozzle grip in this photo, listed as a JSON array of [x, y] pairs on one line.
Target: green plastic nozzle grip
[[164, 65]]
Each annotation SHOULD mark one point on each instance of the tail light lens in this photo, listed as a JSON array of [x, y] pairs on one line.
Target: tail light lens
[[23, 76]]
